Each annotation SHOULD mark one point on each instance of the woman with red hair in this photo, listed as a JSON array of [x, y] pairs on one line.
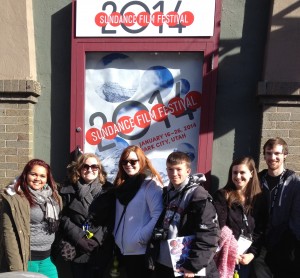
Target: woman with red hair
[[138, 207], [29, 219]]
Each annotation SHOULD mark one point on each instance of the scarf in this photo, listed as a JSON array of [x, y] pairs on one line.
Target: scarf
[[226, 257], [88, 191], [49, 206], [128, 189]]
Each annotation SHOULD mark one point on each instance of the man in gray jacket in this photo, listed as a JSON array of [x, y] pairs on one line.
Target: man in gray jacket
[[281, 188]]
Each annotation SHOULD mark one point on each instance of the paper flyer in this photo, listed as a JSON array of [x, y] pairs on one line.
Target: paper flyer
[[243, 244], [179, 249]]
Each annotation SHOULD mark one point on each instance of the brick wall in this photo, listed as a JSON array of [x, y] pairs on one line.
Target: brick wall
[[17, 100], [281, 117]]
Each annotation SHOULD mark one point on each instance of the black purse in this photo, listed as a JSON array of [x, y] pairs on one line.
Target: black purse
[[62, 248]]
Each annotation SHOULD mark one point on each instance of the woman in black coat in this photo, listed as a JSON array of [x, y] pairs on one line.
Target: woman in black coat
[[240, 207], [88, 216]]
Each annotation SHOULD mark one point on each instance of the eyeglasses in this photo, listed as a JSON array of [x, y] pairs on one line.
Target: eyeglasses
[[132, 162], [271, 153], [94, 167]]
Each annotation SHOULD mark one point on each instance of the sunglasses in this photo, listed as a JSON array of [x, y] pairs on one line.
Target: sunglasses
[[132, 162], [94, 167]]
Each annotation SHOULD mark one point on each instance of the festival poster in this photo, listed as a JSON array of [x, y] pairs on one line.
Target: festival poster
[[149, 99]]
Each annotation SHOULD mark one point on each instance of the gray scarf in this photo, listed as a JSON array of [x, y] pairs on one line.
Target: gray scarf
[[48, 204], [87, 192]]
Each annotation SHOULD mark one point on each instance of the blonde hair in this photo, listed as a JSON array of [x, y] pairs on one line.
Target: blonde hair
[[75, 167]]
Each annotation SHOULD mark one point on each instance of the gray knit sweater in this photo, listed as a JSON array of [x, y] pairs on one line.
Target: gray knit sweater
[[40, 238]]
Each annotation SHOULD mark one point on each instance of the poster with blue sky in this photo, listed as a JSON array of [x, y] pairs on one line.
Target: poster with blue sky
[[149, 99]]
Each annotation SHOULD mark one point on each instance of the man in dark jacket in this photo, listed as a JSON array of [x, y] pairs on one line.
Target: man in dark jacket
[[188, 212], [281, 188]]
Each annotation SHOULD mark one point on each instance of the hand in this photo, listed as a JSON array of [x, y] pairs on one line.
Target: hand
[[246, 258], [186, 273], [93, 243], [87, 245]]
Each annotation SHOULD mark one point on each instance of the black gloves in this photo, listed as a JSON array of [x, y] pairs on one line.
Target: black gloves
[[87, 245]]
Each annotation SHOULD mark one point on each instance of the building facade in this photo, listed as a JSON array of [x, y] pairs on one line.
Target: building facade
[[279, 90], [257, 88]]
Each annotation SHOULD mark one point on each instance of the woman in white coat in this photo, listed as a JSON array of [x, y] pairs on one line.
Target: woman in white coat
[[138, 207]]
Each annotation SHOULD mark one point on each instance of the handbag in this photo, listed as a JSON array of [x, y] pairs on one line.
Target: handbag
[[67, 250]]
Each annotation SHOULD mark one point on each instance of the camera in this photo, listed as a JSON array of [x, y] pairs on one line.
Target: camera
[[160, 234]]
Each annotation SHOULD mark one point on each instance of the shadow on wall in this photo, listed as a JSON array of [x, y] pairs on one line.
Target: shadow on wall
[[240, 70], [214, 184], [282, 63], [61, 26]]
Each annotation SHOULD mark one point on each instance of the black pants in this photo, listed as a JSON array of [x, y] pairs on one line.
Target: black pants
[[135, 266], [259, 269], [84, 270], [162, 271]]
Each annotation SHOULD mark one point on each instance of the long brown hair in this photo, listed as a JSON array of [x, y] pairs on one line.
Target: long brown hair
[[145, 165], [75, 167], [21, 186], [252, 188]]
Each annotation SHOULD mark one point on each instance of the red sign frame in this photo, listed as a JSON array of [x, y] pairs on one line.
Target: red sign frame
[[207, 45]]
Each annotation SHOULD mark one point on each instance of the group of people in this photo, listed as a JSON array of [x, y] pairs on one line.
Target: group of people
[[250, 227], [259, 217]]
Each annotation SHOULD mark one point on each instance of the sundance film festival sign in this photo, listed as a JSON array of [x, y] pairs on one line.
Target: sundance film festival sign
[[151, 18]]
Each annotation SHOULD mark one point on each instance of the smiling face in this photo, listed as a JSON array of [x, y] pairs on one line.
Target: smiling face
[[89, 172], [274, 158], [241, 176], [37, 177], [178, 173], [131, 164]]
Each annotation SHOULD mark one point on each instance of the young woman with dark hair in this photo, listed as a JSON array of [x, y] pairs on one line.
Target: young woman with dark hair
[[29, 219], [239, 207]]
